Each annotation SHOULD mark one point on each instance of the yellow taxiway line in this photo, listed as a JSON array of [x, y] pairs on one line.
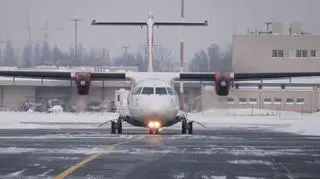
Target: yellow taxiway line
[[85, 161], [106, 150]]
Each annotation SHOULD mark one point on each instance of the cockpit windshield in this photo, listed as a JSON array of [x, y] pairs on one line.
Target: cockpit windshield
[[147, 90], [137, 91], [170, 91], [156, 90], [161, 91]]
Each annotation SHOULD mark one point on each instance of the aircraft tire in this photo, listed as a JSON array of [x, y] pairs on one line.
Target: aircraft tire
[[113, 127], [120, 128], [190, 130], [183, 129]]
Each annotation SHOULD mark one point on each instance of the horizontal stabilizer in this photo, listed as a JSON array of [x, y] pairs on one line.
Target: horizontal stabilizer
[[205, 23], [119, 23]]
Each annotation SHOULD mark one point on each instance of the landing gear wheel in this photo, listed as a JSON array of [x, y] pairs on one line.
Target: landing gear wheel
[[119, 127], [190, 130], [113, 127], [184, 128]]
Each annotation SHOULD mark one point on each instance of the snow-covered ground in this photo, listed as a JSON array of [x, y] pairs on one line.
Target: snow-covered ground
[[295, 122], [304, 124]]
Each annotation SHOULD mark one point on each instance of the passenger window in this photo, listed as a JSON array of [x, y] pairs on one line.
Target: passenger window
[[147, 90], [170, 91], [161, 91], [138, 90]]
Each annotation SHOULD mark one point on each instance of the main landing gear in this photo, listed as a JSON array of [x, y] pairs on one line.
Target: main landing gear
[[186, 126], [116, 126]]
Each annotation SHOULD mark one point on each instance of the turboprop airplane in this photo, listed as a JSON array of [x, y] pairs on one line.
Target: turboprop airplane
[[152, 103]]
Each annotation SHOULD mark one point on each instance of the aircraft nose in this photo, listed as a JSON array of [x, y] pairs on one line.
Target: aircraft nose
[[155, 106]]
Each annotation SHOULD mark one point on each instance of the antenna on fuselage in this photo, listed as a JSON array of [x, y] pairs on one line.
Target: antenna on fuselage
[[150, 23]]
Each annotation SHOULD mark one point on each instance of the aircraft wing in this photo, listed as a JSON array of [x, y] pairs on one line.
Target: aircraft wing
[[94, 22], [242, 76], [62, 75]]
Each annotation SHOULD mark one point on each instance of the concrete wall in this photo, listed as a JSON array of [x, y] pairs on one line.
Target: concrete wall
[[253, 53], [310, 104]]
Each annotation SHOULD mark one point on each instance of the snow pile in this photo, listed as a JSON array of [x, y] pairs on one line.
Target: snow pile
[[52, 120], [56, 108], [293, 122]]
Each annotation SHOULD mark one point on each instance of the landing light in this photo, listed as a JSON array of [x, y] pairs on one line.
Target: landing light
[[154, 124], [82, 83], [223, 83]]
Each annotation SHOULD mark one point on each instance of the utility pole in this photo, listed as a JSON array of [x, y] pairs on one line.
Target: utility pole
[[125, 49], [75, 36], [46, 30], [126, 56]]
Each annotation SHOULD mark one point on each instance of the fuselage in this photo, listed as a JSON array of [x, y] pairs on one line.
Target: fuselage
[[153, 100]]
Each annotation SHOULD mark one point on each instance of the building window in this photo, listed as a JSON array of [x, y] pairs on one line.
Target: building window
[[242, 100], [267, 100], [274, 53], [118, 97], [280, 53], [304, 53], [277, 100], [300, 101], [313, 53], [230, 100], [298, 53], [277, 53], [253, 100], [301, 53], [290, 101]]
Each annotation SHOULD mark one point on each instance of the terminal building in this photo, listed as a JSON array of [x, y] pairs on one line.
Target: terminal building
[[274, 50]]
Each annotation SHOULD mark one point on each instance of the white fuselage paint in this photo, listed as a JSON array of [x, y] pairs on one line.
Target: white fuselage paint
[[163, 108]]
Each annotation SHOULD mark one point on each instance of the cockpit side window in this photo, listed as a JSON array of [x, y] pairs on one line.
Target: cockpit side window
[[138, 90], [170, 91], [147, 90], [161, 91]]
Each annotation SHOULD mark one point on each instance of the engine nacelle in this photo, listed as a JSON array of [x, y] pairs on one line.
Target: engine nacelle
[[83, 82], [222, 83]]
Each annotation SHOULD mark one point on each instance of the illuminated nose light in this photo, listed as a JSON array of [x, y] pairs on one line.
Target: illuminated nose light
[[154, 124], [223, 83], [82, 83]]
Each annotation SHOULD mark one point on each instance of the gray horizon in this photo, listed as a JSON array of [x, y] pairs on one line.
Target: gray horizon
[[225, 17]]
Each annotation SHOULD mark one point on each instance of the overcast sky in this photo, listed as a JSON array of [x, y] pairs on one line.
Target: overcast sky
[[225, 17]]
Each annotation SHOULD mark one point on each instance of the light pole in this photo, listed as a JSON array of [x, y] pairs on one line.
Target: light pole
[[75, 36]]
